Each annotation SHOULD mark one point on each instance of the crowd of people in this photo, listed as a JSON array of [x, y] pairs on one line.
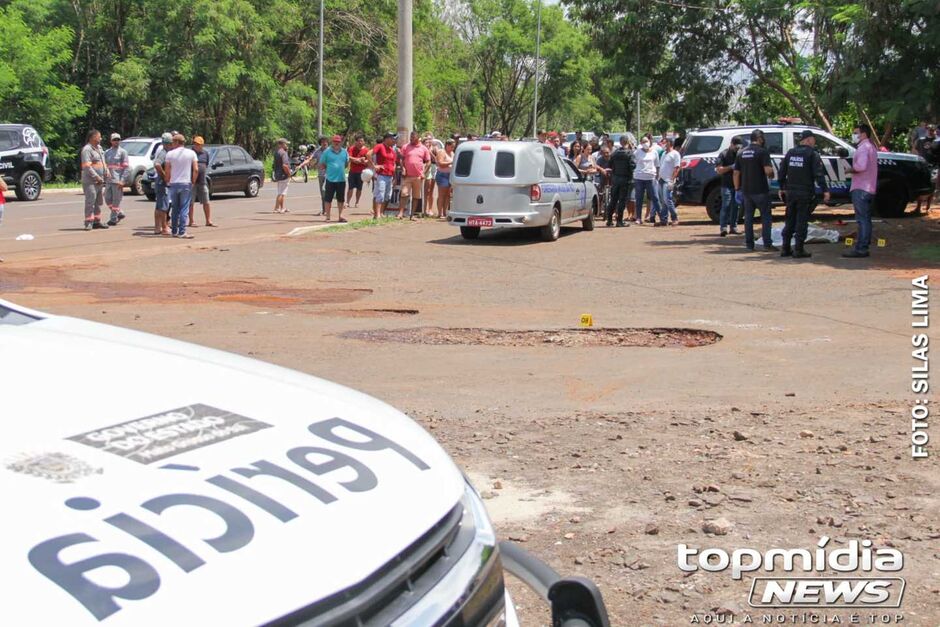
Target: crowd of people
[[180, 181], [422, 167], [636, 179]]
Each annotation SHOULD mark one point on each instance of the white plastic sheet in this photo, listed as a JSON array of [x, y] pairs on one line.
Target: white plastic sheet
[[814, 235]]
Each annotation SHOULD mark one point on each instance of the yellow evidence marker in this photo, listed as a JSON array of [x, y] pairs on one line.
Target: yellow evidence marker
[[587, 320], [849, 241], [882, 243]]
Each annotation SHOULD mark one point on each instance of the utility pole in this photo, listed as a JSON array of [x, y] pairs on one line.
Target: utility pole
[[320, 85], [538, 61], [638, 115], [405, 109]]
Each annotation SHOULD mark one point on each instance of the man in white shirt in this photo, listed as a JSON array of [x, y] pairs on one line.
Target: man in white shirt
[[181, 170], [668, 173], [644, 180]]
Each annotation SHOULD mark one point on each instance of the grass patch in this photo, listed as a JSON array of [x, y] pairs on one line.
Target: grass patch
[[60, 185], [926, 252], [358, 224]]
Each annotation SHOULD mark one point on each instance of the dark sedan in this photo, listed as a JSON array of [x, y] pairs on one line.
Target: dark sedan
[[231, 169]]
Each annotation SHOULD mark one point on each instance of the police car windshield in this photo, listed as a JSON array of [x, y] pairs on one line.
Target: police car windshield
[[699, 144], [136, 148]]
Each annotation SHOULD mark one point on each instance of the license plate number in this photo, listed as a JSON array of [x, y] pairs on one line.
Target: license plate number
[[479, 221]]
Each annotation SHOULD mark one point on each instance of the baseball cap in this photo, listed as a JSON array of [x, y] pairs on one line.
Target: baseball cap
[[806, 134], [198, 140], [115, 136], [337, 138], [387, 135], [167, 138]]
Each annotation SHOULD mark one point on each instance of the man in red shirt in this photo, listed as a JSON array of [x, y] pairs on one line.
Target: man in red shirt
[[358, 161], [384, 157], [415, 156]]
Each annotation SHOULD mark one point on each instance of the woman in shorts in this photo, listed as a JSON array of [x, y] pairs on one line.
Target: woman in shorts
[[430, 175], [445, 159]]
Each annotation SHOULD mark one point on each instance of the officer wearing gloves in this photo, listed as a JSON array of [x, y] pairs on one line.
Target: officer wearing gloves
[[800, 174]]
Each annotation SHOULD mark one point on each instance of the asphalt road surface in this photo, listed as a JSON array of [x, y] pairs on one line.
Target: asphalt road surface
[[599, 457], [56, 222]]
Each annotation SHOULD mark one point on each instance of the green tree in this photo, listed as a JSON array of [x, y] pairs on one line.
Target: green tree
[[33, 87]]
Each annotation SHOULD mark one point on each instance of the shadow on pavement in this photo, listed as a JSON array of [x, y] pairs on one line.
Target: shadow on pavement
[[912, 242], [503, 237]]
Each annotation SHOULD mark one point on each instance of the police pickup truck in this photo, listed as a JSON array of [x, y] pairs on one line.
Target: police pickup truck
[[24, 160], [901, 177], [260, 496]]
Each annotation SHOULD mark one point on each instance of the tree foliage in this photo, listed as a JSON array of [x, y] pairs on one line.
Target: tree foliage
[[246, 70]]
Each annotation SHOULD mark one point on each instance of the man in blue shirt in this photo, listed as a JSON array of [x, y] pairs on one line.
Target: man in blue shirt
[[333, 165]]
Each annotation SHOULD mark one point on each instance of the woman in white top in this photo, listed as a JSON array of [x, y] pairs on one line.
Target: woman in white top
[[644, 180], [585, 161]]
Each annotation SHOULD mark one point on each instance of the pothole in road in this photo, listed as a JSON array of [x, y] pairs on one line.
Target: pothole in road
[[568, 338]]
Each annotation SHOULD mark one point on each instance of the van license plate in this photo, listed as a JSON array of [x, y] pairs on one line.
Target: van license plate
[[479, 221]]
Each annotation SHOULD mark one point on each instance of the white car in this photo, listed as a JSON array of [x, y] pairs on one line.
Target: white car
[[253, 495], [518, 184], [140, 154]]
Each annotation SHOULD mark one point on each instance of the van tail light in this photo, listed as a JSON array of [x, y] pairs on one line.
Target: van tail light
[[689, 163], [535, 193]]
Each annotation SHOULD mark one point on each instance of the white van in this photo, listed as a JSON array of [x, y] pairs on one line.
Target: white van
[[262, 496], [518, 184]]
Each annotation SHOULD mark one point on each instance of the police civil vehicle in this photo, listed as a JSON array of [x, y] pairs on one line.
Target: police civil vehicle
[[901, 177], [257, 496], [518, 185], [25, 163]]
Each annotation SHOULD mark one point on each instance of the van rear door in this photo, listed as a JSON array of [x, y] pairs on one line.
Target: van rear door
[[488, 180]]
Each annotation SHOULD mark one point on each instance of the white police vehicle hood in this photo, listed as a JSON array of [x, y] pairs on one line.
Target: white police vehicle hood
[[152, 482]]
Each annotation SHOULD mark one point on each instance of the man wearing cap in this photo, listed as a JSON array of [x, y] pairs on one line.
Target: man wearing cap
[[115, 158], [181, 172], [333, 162], [280, 173], [384, 157], [801, 172], [201, 189], [161, 225], [415, 156], [94, 177]]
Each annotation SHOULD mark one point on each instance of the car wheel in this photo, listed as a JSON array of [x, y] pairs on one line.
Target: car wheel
[[470, 232], [551, 231], [251, 190], [137, 185], [29, 186], [890, 200], [587, 224], [713, 203]]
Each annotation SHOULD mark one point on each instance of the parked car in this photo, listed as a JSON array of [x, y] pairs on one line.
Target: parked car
[[518, 184], [263, 496], [231, 169], [140, 154], [901, 177], [24, 160]]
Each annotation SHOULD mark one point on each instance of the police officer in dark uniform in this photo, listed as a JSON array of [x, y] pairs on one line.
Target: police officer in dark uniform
[[622, 164], [752, 168], [800, 174]]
